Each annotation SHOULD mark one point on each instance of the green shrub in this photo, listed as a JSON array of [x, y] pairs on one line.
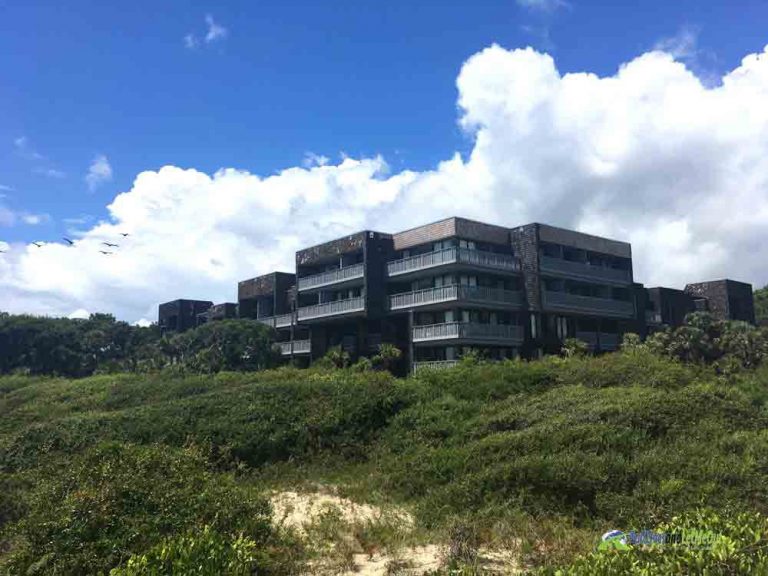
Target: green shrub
[[90, 514], [573, 347], [388, 358], [205, 553]]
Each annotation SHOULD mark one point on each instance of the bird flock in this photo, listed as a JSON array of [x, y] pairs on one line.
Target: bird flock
[[107, 252]]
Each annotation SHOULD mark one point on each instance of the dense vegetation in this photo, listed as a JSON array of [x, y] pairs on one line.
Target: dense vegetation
[[154, 473], [78, 347], [159, 472]]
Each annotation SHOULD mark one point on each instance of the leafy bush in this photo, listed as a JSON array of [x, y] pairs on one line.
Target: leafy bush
[[267, 417], [704, 339], [573, 347], [90, 514], [225, 345], [388, 357], [205, 553]]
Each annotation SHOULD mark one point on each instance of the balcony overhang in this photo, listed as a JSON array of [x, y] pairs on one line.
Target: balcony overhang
[[449, 260], [332, 310], [576, 304], [437, 298], [348, 276]]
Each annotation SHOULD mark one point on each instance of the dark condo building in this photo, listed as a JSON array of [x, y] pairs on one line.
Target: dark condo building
[[181, 315], [442, 289]]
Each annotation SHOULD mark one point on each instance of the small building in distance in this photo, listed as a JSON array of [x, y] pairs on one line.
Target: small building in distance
[[180, 315], [726, 299]]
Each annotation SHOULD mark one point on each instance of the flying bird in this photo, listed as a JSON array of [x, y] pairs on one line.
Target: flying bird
[[124, 234], [105, 252], [38, 244], [68, 241], [3, 251], [110, 245]]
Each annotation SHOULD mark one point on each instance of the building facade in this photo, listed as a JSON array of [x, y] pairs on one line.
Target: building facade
[[440, 290]]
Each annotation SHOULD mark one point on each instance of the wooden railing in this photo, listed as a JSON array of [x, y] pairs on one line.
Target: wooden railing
[[584, 270], [453, 256], [592, 304], [332, 277], [299, 347], [456, 330], [267, 320], [454, 292], [332, 308]]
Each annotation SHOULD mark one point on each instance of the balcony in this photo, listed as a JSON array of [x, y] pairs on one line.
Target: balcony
[[335, 308], [453, 293], [331, 277], [506, 333], [299, 347], [477, 258], [588, 304], [584, 271], [267, 320], [284, 321], [589, 338], [607, 342], [434, 365]]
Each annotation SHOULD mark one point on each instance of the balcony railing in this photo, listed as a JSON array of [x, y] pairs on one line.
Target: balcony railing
[[299, 347], [332, 277], [434, 365], [590, 338], [332, 308], [584, 270], [453, 256], [454, 292], [589, 304], [468, 330], [606, 341], [284, 320]]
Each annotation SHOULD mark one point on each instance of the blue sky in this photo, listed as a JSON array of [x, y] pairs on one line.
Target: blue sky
[[82, 79], [645, 123]]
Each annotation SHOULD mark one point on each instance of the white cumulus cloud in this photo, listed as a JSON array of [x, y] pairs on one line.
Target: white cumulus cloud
[[649, 154]]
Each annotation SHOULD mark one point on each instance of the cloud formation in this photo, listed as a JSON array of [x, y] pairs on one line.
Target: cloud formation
[[99, 172], [215, 32], [543, 5], [649, 154]]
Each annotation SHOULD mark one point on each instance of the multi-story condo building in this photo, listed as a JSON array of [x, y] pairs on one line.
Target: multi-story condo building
[[439, 290]]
